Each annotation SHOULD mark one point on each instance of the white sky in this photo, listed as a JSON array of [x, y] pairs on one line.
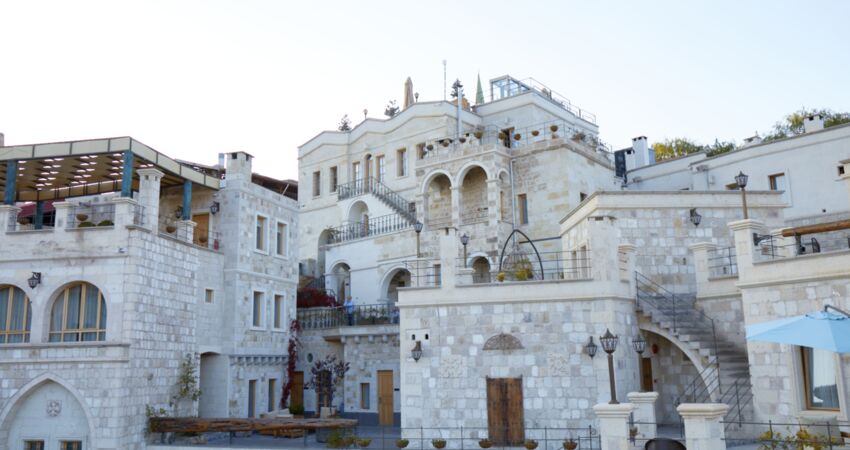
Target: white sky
[[194, 78]]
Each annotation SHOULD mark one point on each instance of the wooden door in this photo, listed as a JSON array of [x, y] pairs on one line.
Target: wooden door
[[646, 375], [297, 392], [385, 397], [202, 229], [505, 419]]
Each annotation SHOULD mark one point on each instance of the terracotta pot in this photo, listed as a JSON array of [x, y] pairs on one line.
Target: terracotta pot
[[554, 128], [535, 132], [478, 134], [82, 217], [170, 229]]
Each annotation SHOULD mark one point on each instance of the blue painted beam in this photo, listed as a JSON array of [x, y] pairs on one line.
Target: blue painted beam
[[11, 181], [127, 177], [187, 200], [39, 215]]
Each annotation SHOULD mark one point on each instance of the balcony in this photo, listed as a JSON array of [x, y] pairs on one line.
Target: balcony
[[360, 315], [551, 266], [375, 226]]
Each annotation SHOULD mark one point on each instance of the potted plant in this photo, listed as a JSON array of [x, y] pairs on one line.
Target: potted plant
[[530, 444], [502, 135], [478, 134], [401, 443], [579, 136], [553, 128], [462, 140], [500, 276], [438, 443], [363, 442], [517, 137], [430, 146], [85, 224], [535, 133], [170, 228], [485, 443], [82, 217], [633, 430], [105, 223], [445, 142], [570, 444]]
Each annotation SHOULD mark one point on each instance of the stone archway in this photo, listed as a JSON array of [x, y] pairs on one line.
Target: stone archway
[[481, 270], [438, 201], [473, 196], [44, 401], [325, 239], [398, 278], [341, 281]]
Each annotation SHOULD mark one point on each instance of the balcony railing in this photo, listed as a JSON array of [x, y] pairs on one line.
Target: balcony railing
[[374, 227], [824, 238], [722, 262], [91, 215], [551, 266], [358, 315]]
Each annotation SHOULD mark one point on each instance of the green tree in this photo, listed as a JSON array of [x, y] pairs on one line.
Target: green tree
[[720, 147], [792, 124], [673, 148]]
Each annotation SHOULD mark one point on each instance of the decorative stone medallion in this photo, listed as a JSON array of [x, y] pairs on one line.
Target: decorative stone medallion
[[559, 365], [54, 407], [503, 341], [452, 366]]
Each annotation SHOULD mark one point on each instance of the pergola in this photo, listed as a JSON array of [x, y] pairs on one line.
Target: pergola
[[60, 170]]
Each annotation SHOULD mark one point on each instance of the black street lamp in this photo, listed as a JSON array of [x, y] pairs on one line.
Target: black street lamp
[[464, 240], [590, 348], [741, 180], [609, 344], [417, 227]]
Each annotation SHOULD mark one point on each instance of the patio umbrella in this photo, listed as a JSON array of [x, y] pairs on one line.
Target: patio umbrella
[[822, 329]]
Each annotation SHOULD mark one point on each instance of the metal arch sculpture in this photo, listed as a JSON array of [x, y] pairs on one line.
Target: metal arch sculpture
[[528, 239], [503, 341]]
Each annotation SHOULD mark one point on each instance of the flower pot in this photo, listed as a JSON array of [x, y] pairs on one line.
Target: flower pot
[[570, 445], [554, 128], [430, 146], [363, 443], [478, 134], [462, 140], [502, 135], [530, 444], [445, 143], [485, 443], [170, 229], [517, 137], [401, 443], [439, 443], [500, 277], [203, 239], [535, 133], [82, 217]]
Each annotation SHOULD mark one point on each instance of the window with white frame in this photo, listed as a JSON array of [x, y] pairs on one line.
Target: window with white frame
[[257, 310], [261, 232], [281, 239], [820, 380], [279, 313]]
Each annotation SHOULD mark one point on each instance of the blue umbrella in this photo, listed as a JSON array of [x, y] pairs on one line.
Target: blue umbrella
[[823, 329]]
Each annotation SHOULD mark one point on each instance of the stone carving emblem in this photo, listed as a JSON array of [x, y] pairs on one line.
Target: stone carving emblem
[[452, 367], [559, 365], [54, 407], [503, 341]]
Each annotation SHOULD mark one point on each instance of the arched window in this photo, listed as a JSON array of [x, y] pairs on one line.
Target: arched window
[[15, 315], [79, 314]]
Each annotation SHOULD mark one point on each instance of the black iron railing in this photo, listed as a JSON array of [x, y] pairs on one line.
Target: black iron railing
[[372, 186], [552, 266], [373, 227], [722, 262], [91, 215], [358, 315]]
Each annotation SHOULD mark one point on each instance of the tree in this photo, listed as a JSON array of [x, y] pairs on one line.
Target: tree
[[344, 124], [673, 148], [456, 88], [392, 109], [720, 147], [327, 374], [792, 124]]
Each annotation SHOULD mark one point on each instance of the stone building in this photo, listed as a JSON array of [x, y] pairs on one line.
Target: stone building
[[118, 264]]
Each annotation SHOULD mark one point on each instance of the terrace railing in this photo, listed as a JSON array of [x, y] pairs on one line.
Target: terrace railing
[[358, 315], [375, 187], [722, 262], [91, 215], [373, 227], [552, 266]]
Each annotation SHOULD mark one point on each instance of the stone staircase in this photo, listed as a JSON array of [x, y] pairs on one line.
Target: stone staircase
[[393, 199], [725, 377]]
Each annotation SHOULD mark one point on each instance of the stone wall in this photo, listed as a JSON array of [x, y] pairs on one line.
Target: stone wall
[[672, 372], [367, 355]]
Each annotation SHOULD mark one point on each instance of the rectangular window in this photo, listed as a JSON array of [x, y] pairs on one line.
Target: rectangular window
[[252, 397], [317, 184], [279, 312], [272, 393], [381, 168], [334, 180], [257, 314], [280, 247], [402, 162], [33, 445], [260, 232], [840, 170], [522, 204], [364, 396], [819, 381], [438, 275], [355, 171], [420, 150], [777, 182], [70, 445], [209, 295]]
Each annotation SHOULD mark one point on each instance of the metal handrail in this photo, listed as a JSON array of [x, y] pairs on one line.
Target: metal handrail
[[375, 226], [373, 186], [342, 316], [722, 262]]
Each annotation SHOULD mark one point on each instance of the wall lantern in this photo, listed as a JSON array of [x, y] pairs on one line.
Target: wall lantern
[[639, 343], [696, 217], [215, 208], [464, 240], [416, 352], [34, 280], [609, 344], [590, 348]]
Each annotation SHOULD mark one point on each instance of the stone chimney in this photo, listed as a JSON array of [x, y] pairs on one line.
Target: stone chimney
[[238, 166], [2, 139], [752, 140], [643, 155], [813, 123]]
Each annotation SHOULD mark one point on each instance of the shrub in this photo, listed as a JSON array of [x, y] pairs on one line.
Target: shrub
[[315, 298], [105, 223], [438, 443], [401, 443], [85, 224]]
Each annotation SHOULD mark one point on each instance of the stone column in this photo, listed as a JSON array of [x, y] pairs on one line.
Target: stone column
[[8, 218], [744, 249], [614, 425], [62, 210], [455, 190], [494, 211], [644, 413], [186, 230], [449, 243], [700, 251], [149, 181], [603, 239], [703, 430], [125, 208]]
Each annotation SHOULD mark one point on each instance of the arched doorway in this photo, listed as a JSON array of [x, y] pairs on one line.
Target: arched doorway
[[47, 402], [439, 201], [400, 278], [341, 281], [325, 239], [473, 196], [213, 385], [358, 220], [481, 270]]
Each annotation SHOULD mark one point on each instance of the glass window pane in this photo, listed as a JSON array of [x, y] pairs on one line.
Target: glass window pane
[[102, 315], [4, 304], [822, 387], [90, 321], [72, 321], [56, 314]]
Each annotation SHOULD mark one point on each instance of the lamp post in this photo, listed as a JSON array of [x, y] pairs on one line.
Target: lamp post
[[609, 344], [639, 343], [417, 227], [464, 240], [741, 180]]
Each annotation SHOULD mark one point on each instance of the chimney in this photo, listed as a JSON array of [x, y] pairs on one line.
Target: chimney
[[2, 140], [238, 166], [813, 123], [752, 140], [643, 155]]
